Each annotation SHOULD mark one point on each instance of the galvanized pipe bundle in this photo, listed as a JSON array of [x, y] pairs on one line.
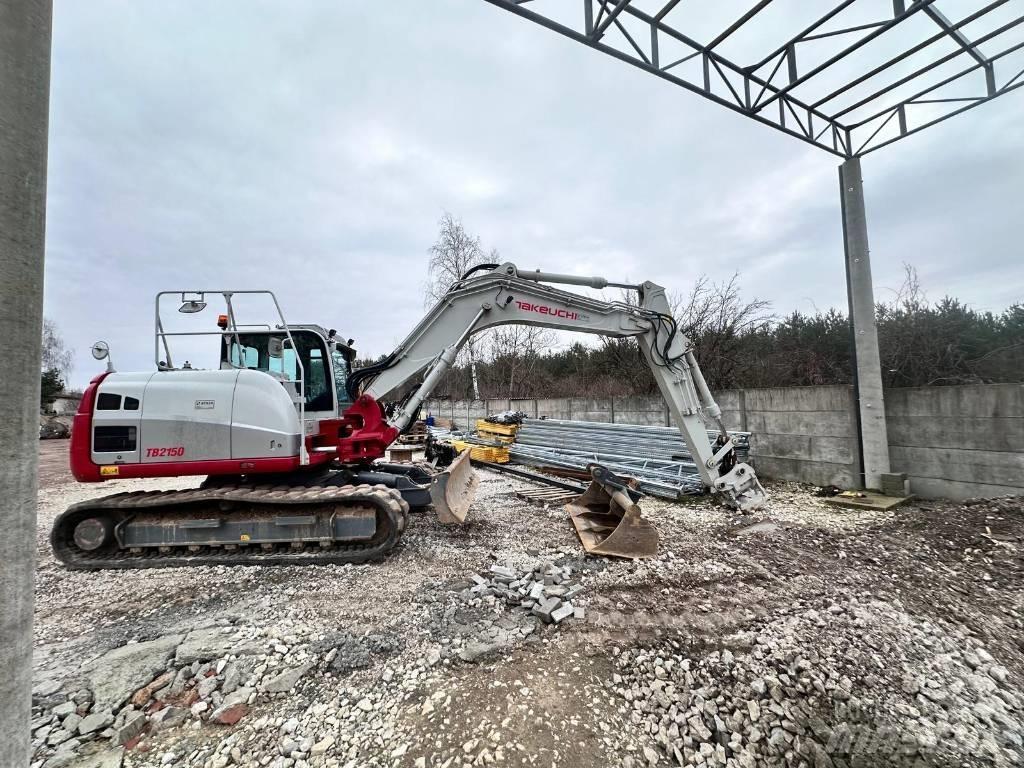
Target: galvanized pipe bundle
[[656, 456], [624, 439]]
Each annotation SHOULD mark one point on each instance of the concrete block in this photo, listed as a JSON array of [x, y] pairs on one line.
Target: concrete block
[[815, 472], [819, 423], [965, 432], [564, 611], [932, 488], [996, 401], [1003, 468], [545, 608], [790, 399], [836, 450]]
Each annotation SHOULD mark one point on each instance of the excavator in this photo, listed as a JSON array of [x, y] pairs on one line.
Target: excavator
[[291, 439]]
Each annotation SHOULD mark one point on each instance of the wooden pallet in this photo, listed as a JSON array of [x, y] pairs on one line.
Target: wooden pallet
[[546, 495]]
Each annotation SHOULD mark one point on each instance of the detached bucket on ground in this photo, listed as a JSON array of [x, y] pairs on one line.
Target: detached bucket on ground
[[608, 520], [452, 491]]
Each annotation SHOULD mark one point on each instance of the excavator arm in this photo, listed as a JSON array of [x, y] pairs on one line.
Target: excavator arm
[[504, 295]]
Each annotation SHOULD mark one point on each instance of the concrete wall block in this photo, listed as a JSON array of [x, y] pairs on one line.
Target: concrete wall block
[[728, 399], [991, 467], [962, 432], [993, 401], [591, 409], [526, 405], [931, 488], [814, 472], [732, 419], [788, 399], [645, 403], [646, 418], [821, 423], [834, 450]]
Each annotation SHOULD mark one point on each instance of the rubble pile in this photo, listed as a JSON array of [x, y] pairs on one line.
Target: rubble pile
[[207, 676], [545, 590], [826, 686]]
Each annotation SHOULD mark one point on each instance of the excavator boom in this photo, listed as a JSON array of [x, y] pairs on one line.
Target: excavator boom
[[503, 295]]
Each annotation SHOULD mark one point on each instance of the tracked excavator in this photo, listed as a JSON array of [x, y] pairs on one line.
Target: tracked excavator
[[291, 440]]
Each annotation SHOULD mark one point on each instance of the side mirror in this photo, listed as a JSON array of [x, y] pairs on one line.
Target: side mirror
[[275, 347]]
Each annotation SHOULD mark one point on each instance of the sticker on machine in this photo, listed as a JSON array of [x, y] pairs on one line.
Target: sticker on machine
[[202, 405]]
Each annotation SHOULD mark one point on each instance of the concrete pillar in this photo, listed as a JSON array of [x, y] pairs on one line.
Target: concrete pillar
[[867, 374], [24, 96]]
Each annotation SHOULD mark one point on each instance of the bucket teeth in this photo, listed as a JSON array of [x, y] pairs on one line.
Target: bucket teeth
[[609, 522], [452, 491]]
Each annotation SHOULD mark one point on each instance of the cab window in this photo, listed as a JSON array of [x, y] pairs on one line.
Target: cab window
[[340, 375], [253, 352]]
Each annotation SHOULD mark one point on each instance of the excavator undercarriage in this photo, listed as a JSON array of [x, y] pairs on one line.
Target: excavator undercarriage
[[232, 524]]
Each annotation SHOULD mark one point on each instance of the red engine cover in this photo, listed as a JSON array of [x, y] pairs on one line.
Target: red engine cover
[[81, 435]]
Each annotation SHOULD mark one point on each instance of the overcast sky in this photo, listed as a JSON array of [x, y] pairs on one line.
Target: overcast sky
[[310, 148]]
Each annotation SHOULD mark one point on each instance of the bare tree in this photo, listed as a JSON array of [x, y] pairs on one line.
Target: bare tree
[[515, 353], [453, 254], [56, 355], [717, 319]]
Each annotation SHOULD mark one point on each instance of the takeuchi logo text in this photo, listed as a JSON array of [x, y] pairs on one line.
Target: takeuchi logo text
[[543, 309]]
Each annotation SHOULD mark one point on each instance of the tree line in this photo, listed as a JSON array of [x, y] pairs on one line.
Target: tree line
[[739, 342]]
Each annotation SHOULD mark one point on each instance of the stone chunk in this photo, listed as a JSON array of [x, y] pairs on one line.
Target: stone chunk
[[63, 710], [213, 643], [545, 608], [286, 680], [564, 611], [95, 722], [111, 758], [144, 694], [232, 678], [233, 708], [132, 727], [119, 673], [171, 717]]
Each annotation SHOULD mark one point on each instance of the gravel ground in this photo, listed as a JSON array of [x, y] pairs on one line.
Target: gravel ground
[[818, 637]]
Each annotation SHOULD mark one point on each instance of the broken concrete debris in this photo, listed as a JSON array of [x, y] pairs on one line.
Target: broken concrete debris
[[543, 589]]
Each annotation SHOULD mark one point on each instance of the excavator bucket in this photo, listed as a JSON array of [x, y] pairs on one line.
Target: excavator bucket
[[608, 520], [453, 490]]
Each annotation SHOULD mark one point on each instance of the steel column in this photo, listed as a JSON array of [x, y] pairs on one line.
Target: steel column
[[867, 367], [24, 94]]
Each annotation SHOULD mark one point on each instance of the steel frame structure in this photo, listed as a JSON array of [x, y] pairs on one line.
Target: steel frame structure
[[850, 102], [777, 90]]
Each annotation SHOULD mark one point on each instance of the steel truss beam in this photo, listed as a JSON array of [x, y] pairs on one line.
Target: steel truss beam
[[778, 92]]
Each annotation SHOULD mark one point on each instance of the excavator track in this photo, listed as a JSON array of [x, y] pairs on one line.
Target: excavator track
[[231, 524]]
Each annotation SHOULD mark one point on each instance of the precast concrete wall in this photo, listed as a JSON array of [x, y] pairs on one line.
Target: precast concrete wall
[[953, 442]]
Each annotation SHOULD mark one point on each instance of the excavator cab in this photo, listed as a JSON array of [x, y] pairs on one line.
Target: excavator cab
[[305, 358]]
